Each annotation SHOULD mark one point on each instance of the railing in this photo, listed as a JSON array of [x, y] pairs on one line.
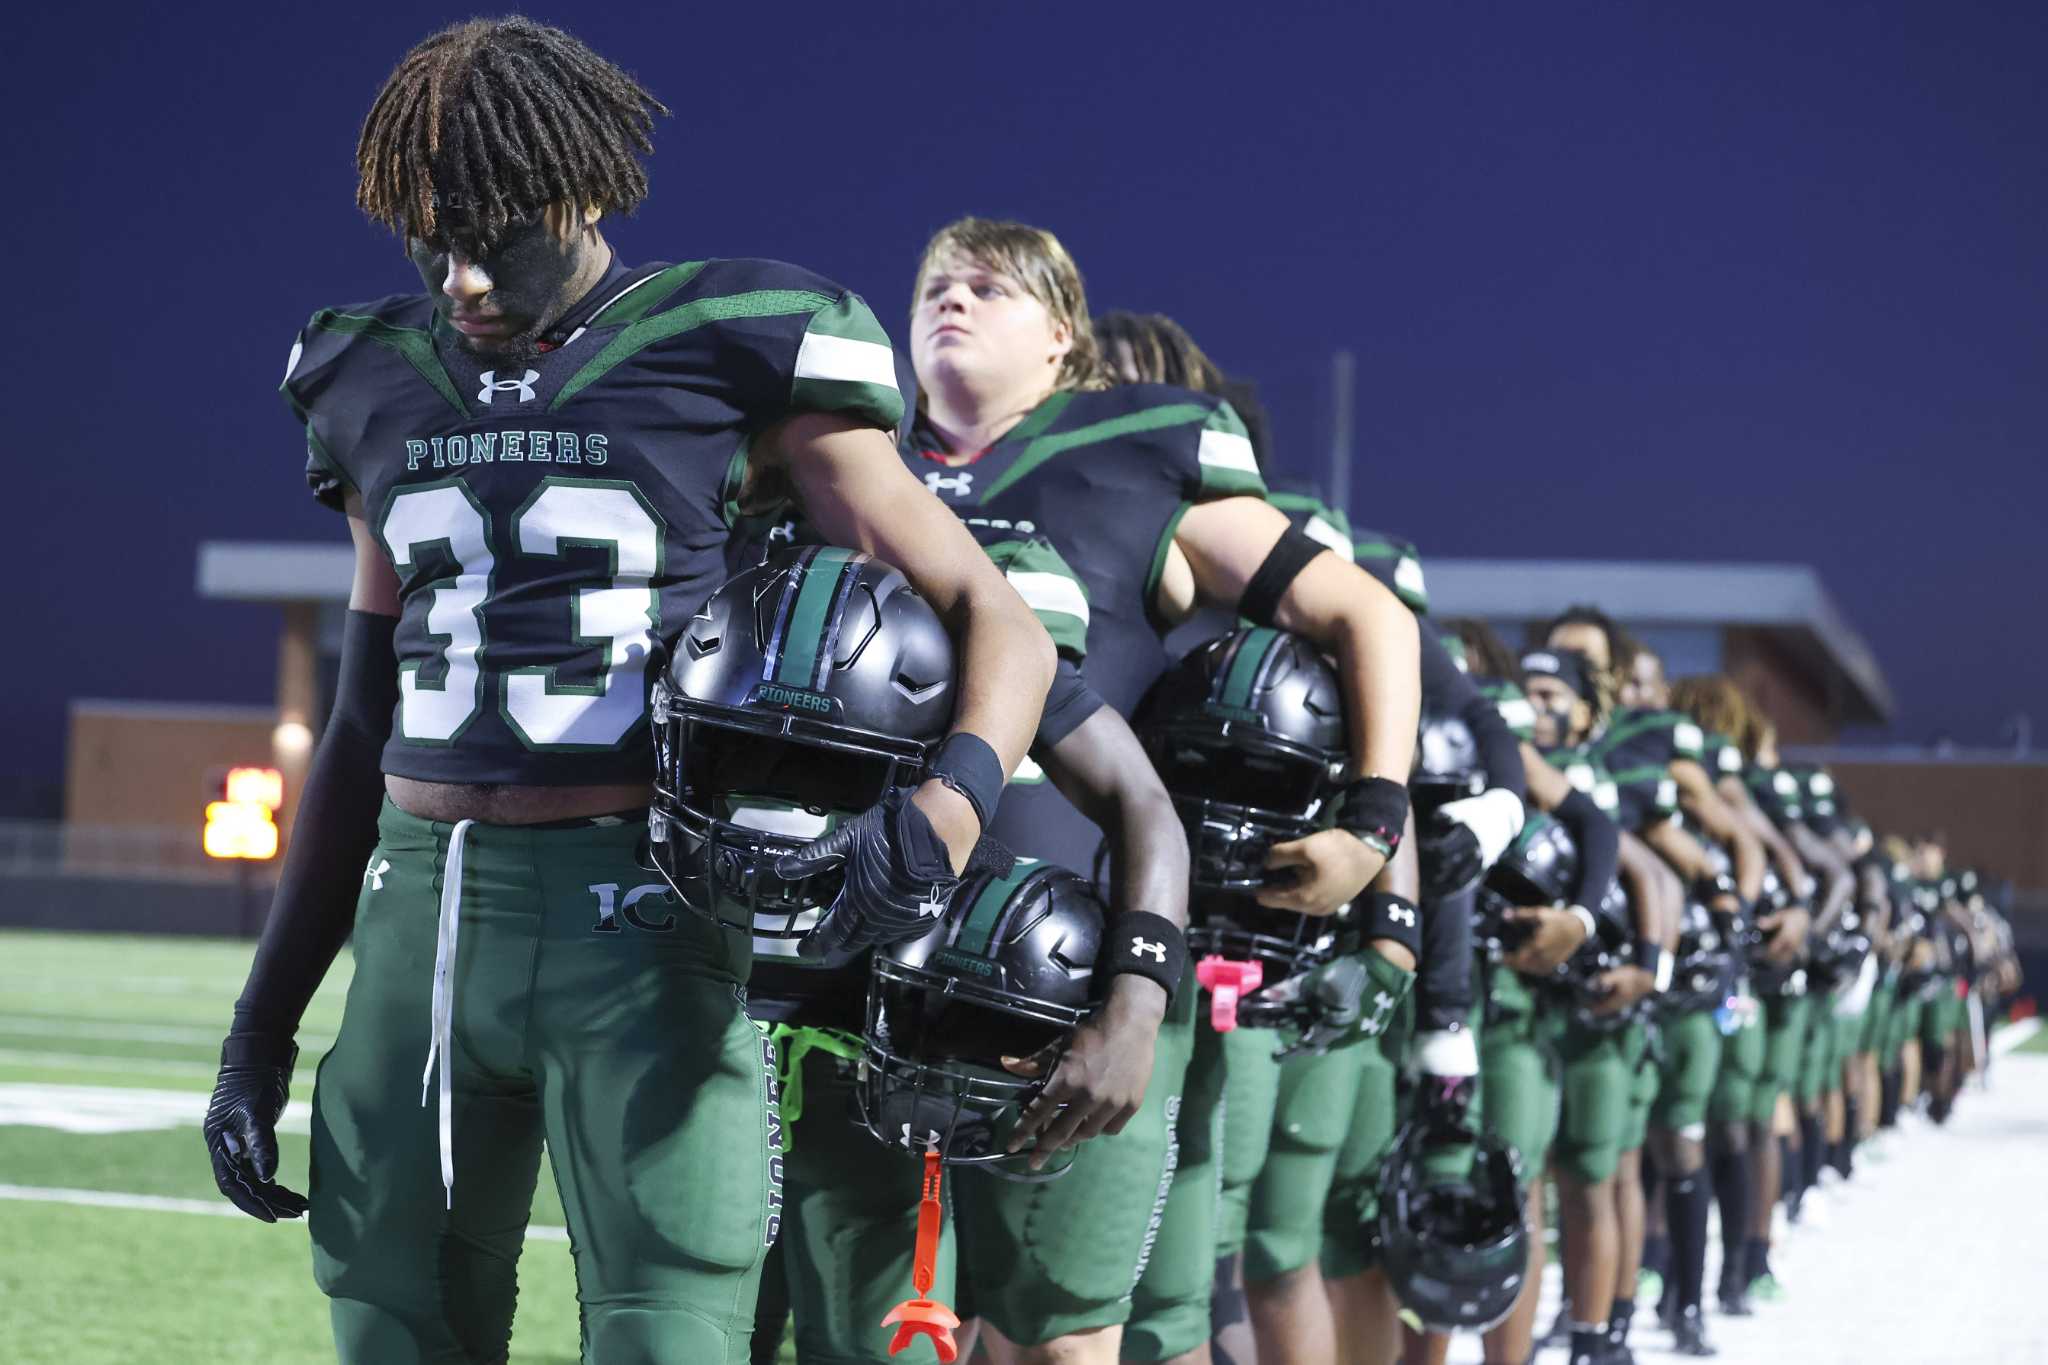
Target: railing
[[44, 847]]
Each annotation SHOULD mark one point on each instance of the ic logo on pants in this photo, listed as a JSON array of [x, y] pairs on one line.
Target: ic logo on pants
[[611, 908]]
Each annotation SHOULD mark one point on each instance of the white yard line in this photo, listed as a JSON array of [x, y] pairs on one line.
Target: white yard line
[[75, 1026], [2014, 1035], [157, 1203], [120, 1109], [91, 1061]]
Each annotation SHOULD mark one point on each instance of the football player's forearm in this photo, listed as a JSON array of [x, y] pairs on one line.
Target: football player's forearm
[[1639, 869], [1837, 885], [333, 832], [1006, 667], [1727, 827], [1376, 645]]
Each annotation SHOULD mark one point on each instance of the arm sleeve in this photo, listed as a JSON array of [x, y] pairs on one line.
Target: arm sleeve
[[1599, 842], [1448, 691], [332, 836], [1444, 991]]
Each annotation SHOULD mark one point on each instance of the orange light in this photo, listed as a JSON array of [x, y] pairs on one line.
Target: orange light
[[239, 829], [254, 786]]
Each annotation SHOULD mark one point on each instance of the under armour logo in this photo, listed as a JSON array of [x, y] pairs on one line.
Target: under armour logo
[[786, 533], [931, 1138], [1139, 948], [1401, 914], [492, 384], [932, 906], [960, 485], [374, 873], [1382, 1006]]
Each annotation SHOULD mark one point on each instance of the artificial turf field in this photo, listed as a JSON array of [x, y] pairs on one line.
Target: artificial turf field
[[108, 1047]]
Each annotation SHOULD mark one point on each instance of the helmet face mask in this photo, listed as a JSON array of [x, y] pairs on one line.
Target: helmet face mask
[[800, 693], [1008, 971]]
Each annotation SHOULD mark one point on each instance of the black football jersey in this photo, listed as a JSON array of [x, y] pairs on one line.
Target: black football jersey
[[1637, 748], [550, 519], [1104, 477]]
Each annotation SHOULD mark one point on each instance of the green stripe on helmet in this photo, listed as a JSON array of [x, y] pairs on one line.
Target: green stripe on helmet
[[1246, 666], [805, 621], [979, 928]]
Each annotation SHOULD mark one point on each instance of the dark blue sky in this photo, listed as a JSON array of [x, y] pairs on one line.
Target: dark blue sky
[[1746, 282]]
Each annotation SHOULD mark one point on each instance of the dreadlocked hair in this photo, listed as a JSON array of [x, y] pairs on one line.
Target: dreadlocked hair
[[500, 117], [1486, 654], [1158, 350], [1715, 701]]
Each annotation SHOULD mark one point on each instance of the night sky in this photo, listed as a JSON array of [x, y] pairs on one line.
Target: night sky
[[1746, 282]]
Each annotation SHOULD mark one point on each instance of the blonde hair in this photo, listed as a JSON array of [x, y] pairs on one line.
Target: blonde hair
[[1035, 259]]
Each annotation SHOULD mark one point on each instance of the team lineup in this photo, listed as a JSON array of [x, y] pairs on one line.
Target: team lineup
[[942, 856]]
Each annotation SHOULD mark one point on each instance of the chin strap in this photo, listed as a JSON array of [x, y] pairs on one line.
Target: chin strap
[[923, 1315]]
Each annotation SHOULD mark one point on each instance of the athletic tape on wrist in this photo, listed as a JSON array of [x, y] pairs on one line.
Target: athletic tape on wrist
[[966, 763], [1374, 811], [1393, 917], [1144, 944], [1652, 958]]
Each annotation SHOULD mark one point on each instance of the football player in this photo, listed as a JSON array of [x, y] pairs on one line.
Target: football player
[[490, 733], [1151, 494]]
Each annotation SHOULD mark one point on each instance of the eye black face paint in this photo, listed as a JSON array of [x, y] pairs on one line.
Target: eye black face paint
[[532, 275]]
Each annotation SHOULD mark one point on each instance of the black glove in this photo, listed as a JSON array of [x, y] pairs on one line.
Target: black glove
[[241, 1125], [899, 877], [1321, 1005], [1451, 859]]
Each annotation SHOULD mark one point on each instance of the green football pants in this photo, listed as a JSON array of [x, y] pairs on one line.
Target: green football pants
[[584, 1011], [1645, 1083], [1044, 1260], [1688, 1072], [1784, 1040], [1518, 1071], [1596, 1088], [1742, 1057], [1820, 1062], [1227, 1103], [849, 1229]]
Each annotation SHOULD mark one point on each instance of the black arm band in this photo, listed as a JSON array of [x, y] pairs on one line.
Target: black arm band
[[332, 835], [1141, 943], [1599, 843], [1393, 917], [1261, 600], [1375, 809], [967, 764]]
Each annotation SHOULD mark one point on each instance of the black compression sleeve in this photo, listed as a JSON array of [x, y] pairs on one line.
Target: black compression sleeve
[[1599, 842], [1283, 564], [332, 835], [1448, 692], [1443, 982]]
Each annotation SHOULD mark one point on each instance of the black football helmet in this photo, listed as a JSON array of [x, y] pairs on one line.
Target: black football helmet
[[1540, 868], [1447, 768], [807, 686], [1007, 971], [1703, 970], [1454, 1251], [1247, 734]]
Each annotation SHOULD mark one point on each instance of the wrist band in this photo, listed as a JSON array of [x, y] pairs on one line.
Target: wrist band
[[1140, 943], [1393, 917], [259, 1049], [1652, 958], [1375, 810], [967, 764], [1586, 921]]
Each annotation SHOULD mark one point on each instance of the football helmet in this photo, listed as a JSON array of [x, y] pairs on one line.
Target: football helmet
[[805, 687], [1541, 868], [1007, 971], [1447, 769], [1247, 734], [1703, 969], [1455, 1251]]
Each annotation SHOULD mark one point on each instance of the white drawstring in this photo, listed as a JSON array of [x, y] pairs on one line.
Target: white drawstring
[[441, 1032]]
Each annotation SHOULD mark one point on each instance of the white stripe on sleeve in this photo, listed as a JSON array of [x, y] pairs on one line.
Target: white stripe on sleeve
[[845, 360]]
